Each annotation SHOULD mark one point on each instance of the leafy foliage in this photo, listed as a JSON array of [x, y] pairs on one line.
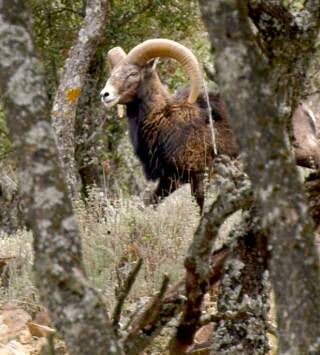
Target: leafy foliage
[[56, 23]]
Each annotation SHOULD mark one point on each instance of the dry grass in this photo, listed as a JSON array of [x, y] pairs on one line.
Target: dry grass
[[17, 281], [114, 235], [117, 233]]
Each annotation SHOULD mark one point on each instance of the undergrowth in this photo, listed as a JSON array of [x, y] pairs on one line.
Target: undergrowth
[[115, 234]]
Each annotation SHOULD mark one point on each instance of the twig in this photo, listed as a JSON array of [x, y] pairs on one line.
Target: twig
[[143, 330], [151, 312], [123, 295]]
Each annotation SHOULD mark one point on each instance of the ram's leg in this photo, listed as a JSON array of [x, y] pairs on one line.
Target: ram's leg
[[165, 187], [197, 189]]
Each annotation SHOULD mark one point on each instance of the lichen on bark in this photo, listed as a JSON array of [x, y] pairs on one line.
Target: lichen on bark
[[261, 78], [76, 309], [243, 300], [70, 87]]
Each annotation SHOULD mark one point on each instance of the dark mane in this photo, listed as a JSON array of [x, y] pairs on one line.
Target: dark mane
[[171, 134], [158, 139]]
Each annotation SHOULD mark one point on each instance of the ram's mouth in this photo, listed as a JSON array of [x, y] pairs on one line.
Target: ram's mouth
[[109, 101], [109, 95]]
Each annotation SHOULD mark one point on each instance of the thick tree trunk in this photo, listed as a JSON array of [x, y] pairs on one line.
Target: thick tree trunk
[[243, 300], [259, 97], [76, 309], [70, 88]]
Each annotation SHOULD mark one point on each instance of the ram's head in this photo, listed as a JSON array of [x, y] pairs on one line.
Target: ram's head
[[128, 71]]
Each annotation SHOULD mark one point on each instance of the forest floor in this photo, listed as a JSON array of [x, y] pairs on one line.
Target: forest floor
[[115, 234]]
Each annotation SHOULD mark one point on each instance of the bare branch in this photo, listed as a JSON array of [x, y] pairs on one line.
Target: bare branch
[[236, 194], [161, 309], [142, 330], [123, 295]]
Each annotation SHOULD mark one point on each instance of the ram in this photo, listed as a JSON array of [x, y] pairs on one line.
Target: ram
[[171, 133]]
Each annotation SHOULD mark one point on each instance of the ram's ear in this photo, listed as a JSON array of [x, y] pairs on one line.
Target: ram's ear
[[152, 64]]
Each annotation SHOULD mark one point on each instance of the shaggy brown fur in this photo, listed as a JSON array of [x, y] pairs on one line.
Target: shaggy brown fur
[[172, 138]]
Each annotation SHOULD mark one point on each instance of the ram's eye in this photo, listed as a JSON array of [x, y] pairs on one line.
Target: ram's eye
[[133, 74]]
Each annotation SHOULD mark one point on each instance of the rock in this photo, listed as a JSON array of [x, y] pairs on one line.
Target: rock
[[13, 320], [38, 330], [14, 348]]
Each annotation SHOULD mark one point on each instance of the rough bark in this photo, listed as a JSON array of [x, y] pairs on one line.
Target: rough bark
[[258, 97], [235, 193], [243, 300], [76, 309], [70, 87], [243, 303], [90, 125], [11, 216], [312, 186]]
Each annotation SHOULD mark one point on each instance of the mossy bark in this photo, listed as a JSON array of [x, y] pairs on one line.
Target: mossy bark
[[91, 119], [260, 84], [76, 309], [243, 300], [71, 86]]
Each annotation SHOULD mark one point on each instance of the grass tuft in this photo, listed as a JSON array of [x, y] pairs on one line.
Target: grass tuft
[[115, 234]]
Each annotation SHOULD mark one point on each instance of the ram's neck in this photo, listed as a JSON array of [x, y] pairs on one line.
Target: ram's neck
[[153, 94], [152, 97]]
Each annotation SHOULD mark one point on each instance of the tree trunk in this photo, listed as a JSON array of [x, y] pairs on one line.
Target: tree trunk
[[243, 300], [76, 309], [259, 91], [68, 93], [90, 125]]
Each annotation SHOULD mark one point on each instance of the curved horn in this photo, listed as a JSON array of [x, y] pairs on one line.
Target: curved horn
[[115, 55], [166, 48]]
